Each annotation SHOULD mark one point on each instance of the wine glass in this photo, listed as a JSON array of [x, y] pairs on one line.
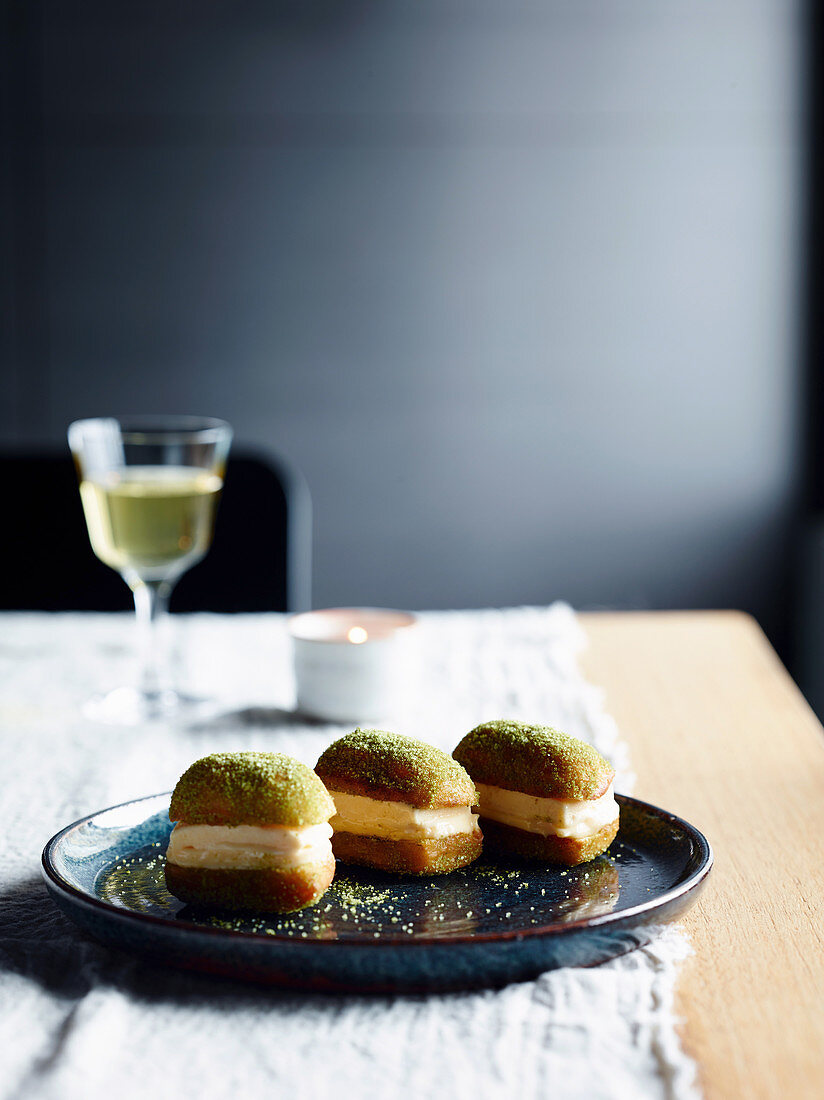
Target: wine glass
[[150, 488]]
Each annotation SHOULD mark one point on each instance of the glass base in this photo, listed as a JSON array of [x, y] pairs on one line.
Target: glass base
[[126, 706]]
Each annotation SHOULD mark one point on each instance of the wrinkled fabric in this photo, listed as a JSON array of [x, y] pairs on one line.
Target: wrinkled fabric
[[80, 1020]]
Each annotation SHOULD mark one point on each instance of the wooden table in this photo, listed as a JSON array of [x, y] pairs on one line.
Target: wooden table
[[720, 735]]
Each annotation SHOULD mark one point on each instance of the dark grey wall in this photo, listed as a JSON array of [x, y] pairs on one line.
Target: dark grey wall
[[512, 283]]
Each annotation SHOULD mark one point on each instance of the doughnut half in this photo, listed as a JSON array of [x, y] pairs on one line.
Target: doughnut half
[[409, 857], [567, 851], [258, 890]]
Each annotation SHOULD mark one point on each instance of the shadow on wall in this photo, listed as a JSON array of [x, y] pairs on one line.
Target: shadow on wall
[[512, 284], [260, 559]]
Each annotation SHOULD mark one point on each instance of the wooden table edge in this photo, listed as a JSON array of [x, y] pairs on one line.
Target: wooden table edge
[[709, 685]]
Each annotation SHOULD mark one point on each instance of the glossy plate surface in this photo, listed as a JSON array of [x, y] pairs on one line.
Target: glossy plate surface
[[486, 925]]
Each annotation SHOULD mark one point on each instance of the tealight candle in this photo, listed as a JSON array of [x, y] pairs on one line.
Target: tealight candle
[[352, 663]]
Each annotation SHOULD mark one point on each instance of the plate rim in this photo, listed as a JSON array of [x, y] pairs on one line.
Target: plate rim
[[696, 877]]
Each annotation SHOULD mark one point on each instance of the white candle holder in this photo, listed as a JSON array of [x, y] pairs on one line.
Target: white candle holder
[[353, 664]]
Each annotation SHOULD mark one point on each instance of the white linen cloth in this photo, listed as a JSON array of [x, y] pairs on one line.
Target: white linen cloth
[[80, 1020]]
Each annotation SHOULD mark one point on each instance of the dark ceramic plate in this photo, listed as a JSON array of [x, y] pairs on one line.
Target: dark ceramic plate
[[486, 925]]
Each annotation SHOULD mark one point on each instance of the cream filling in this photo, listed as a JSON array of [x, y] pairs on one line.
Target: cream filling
[[245, 847], [548, 816], [398, 820]]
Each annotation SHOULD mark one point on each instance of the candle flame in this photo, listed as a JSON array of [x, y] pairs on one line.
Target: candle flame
[[357, 635]]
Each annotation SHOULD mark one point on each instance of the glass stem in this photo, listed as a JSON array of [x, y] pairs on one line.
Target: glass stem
[[151, 604]]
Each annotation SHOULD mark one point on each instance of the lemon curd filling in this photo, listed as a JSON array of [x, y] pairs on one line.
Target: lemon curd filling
[[398, 820], [548, 816], [248, 846]]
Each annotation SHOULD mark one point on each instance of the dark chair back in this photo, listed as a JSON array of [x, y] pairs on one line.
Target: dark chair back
[[260, 559]]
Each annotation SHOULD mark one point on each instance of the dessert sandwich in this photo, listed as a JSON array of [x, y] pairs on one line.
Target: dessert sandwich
[[542, 794], [252, 833], [401, 805]]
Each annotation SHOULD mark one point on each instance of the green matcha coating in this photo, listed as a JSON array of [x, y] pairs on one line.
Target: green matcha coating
[[250, 788], [391, 767], [537, 760]]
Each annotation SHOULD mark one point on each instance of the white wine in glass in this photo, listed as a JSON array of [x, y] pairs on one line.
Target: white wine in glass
[[155, 521], [150, 490]]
